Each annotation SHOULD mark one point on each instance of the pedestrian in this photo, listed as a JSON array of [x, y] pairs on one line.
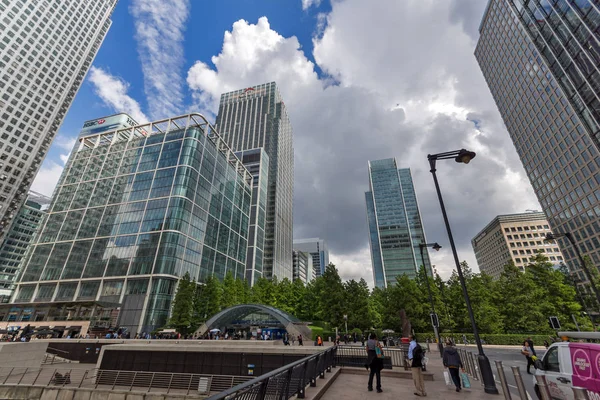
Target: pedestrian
[[546, 344], [453, 362], [465, 341], [319, 341], [530, 342], [415, 355], [300, 340], [374, 362], [526, 351]]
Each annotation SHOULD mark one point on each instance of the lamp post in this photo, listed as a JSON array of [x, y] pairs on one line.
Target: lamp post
[[435, 325], [553, 236], [463, 156]]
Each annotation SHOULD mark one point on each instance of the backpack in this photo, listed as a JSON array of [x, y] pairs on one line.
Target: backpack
[[418, 352]]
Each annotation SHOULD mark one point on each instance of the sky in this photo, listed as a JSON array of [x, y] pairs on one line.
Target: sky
[[361, 79]]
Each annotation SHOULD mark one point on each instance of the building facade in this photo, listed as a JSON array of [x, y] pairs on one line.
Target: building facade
[[46, 49], [256, 117], [257, 163], [134, 210], [541, 62], [394, 221], [317, 248], [302, 266], [16, 242], [514, 238]]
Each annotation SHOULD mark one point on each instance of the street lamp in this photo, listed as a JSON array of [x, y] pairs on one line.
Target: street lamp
[[463, 156], [434, 318], [553, 236]]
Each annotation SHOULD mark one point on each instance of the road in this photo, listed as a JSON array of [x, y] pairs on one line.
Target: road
[[511, 357]]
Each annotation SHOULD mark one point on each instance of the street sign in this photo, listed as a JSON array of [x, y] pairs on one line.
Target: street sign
[[554, 323], [435, 320]]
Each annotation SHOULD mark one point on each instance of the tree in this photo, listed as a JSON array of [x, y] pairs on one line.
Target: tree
[[229, 291], [208, 299], [331, 295], [357, 304], [181, 312]]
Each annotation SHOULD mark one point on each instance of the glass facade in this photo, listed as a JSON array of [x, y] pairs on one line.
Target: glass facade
[[319, 252], [395, 227], [256, 117], [17, 240], [46, 49], [540, 61], [134, 210], [257, 163]]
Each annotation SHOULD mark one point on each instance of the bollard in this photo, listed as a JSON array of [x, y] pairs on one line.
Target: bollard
[[505, 389], [580, 393], [475, 363], [519, 381], [543, 387]]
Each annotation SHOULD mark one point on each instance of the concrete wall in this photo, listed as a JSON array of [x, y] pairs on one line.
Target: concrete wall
[[10, 392], [17, 354]]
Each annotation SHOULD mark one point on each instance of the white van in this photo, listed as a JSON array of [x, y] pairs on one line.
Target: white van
[[571, 364]]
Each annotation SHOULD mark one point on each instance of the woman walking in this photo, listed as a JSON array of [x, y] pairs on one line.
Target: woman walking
[[526, 351], [453, 362], [374, 362]]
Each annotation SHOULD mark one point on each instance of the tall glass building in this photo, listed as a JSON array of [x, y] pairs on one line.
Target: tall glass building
[[256, 117], [257, 163], [134, 210], [17, 240], [317, 248], [395, 226], [541, 61], [46, 49]]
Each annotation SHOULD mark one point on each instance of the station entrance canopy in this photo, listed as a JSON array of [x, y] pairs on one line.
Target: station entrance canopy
[[245, 315]]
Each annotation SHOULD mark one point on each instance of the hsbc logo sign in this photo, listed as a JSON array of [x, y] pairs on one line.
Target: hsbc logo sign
[[94, 123]]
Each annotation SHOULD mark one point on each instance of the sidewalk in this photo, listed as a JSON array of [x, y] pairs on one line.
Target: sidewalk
[[349, 386]]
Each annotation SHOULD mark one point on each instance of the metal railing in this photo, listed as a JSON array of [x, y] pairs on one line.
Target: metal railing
[[354, 356], [285, 382], [132, 381], [470, 364]]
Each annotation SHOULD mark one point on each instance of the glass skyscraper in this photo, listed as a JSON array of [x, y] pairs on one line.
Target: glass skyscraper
[[541, 61], [317, 248], [17, 240], [256, 117], [46, 49], [395, 226], [134, 210]]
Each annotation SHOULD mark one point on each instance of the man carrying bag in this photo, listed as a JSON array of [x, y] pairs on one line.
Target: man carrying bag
[[453, 362]]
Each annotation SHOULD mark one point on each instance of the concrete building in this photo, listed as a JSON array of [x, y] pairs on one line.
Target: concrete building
[[541, 62], [256, 117], [516, 238], [319, 252], [395, 226], [134, 210], [302, 266], [46, 49], [17, 240]]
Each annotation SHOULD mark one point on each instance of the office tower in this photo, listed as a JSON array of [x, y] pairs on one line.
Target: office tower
[[256, 117], [257, 163], [134, 210], [395, 227], [46, 49], [319, 252], [302, 266], [17, 240], [516, 238], [540, 61]]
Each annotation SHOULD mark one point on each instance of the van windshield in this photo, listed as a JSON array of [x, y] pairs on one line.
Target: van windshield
[[551, 362]]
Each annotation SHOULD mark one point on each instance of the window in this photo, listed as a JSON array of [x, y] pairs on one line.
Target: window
[[551, 362]]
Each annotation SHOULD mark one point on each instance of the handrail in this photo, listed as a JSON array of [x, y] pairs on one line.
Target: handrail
[[265, 377], [59, 350]]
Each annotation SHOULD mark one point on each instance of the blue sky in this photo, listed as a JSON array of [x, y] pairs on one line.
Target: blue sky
[[362, 80]]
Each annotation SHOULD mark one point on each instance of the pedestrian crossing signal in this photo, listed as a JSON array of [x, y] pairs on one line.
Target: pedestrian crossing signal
[[434, 320], [554, 323]]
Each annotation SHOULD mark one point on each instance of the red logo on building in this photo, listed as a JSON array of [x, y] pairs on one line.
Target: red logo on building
[[101, 121]]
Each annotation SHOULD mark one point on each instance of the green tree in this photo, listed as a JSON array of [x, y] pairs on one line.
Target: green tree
[[263, 292], [182, 310], [209, 299], [357, 304], [229, 291], [331, 296]]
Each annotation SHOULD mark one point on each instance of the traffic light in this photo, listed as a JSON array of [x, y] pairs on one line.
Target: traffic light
[[434, 320], [554, 323]]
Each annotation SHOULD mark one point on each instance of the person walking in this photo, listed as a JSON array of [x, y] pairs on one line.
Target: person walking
[[319, 341], [374, 363], [530, 342], [415, 356], [453, 362], [526, 351], [300, 340]]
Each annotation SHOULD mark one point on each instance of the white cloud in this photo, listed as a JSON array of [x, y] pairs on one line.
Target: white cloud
[[407, 84], [159, 29], [47, 178], [113, 92], [306, 4]]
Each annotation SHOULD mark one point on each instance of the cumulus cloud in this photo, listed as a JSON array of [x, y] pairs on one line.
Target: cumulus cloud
[[47, 178], [159, 27], [113, 92], [419, 91], [306, 4]]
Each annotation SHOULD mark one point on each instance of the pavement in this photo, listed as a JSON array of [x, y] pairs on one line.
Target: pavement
[[351, 386]]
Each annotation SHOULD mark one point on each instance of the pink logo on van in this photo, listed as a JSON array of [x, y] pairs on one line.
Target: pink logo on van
[[582, 365]]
